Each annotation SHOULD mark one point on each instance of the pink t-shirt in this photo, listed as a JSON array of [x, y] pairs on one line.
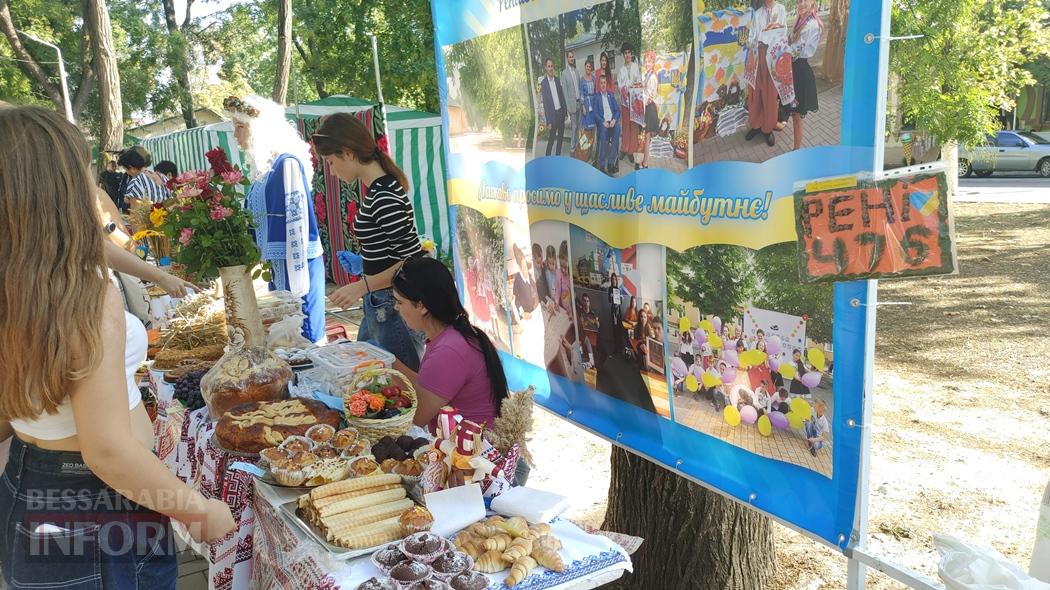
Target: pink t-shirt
[[455, 371]]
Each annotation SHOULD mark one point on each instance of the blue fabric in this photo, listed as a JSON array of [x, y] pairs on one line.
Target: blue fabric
[[384, 324], [597, 115], [313, 301], [268, 204], [109, 542]]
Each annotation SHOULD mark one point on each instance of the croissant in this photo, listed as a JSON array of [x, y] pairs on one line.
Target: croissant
[[540, 530], [515, 527], [548, 541], [498, 543], [520, 570], [484, 529], [490, 562], [518, 548], [473, 549], [548, 558], [463, 538]]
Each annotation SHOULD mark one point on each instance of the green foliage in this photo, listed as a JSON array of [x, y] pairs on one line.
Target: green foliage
[[666, 25], [969, 64], [481, 238], [780, 290], [492, 79], [717, 279]]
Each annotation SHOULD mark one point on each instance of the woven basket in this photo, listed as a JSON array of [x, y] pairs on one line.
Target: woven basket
[[372, 428]]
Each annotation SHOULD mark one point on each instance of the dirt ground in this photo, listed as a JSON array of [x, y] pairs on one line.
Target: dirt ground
[[960, 442]]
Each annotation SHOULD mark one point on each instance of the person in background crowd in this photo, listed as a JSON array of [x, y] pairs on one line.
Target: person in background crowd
[[525, 296], [583, 313], [763, 102], [616, 312], [564, 280], [142, 184], [817, 428], [652, 110], [629, 76], [605, 70], [804, 39], [280, 168], [797, 387], [385, 228], [549, 285], [605, 116], [110, 178], [588, 86], [68, 399], [781, 401], [570, 83], [554, 107], [167, 169], [631, 317], [685, 347]]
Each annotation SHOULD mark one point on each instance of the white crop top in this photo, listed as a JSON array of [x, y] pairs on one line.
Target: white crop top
[[60, 424]]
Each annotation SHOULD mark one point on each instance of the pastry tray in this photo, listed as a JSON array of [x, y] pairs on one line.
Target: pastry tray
[[290, 510]]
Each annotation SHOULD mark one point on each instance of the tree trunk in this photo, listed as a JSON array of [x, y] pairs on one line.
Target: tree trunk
[[950, 155], [179, 63], [835, 48], [695, 539], [25, 60], [284, 51], [111, 134]]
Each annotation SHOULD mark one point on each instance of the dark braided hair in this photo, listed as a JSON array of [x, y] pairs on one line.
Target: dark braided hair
[[427, 281]]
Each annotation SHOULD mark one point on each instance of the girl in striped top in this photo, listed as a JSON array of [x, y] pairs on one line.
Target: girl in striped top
[[141, 183], [385, 229]]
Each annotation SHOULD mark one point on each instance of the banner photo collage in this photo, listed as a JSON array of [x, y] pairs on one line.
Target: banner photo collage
[[623, 177]]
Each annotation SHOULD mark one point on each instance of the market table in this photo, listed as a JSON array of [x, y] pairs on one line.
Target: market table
[[286, 558]]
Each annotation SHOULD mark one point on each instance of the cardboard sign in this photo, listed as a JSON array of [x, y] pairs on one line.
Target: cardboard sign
[[889, 228]]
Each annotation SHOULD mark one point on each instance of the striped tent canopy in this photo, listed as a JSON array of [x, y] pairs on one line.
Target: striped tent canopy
[[186, 147], [416, 144]]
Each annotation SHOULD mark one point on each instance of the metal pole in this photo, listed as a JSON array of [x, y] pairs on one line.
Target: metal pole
[[61, 73], [375, 61]]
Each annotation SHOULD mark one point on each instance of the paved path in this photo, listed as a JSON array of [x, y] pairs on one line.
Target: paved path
[[1001, 188]]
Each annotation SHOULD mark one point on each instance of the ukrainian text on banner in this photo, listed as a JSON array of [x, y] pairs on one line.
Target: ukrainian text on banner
[[623, 177]]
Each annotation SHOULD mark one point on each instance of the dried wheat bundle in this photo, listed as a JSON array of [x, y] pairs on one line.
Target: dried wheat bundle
[[513, 424]]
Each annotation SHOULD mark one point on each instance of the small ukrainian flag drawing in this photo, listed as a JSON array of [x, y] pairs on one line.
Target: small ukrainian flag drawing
[[925, 201]]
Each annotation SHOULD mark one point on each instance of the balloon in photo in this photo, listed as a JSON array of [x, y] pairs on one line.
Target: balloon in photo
[[678, 367], [811, 379], [699, 336], [728, 375], [690, 382], [816, 358], [715, 341], [778, 419], [684, 325], [773, 345], [774, 364], [717, 323], [788, 371], [759, 357], [765, 427], [801, 408], [748, 414], [731, 358], [731, 415], [710, 380], [794, 420], [707, 325]]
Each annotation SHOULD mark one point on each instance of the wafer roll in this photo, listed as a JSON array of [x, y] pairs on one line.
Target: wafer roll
[[357, 483], [327, 500], [366, 516], [363, 502], [381, 532]]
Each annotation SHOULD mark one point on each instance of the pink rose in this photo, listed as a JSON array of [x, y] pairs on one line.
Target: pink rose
[[191, 191], [220, 213], [232, 177], [185, 235]]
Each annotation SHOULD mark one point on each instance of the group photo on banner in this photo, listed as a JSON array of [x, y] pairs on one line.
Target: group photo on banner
[[623, 178]]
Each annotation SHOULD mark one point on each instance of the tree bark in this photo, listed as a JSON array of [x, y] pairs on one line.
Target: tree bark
[[96, 19], [87, 76], [695, 539], [835, 48], [950, 155], [26, 63], [284, 51], [178, 61]]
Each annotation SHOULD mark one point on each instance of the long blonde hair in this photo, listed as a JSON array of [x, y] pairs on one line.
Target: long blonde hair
[[52, 264]]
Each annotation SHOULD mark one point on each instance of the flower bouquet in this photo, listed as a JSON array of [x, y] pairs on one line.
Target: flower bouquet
[[380, 402], [147, 219]]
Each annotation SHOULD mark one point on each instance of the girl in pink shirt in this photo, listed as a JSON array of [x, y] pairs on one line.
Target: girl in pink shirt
[[460, 367]]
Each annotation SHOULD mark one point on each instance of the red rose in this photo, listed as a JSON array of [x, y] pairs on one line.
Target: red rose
[[219, 163]]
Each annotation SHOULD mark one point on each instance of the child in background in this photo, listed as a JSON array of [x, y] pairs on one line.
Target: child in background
[[780, 402], [817, 428]]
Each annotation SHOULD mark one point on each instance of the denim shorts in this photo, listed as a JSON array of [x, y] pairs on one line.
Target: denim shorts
[[383, 324], [61, 526]]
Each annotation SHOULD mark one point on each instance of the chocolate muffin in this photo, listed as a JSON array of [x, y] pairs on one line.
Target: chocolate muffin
[[423, 543], [389, 557], [409, 571], [430, 584], [451, 563], [470, 581], [378, 584]]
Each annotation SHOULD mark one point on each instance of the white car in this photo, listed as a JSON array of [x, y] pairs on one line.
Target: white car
[[1008, 151]]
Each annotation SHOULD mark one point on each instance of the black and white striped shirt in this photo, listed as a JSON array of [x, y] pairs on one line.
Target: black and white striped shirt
[[144, 188], [385, 226]]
